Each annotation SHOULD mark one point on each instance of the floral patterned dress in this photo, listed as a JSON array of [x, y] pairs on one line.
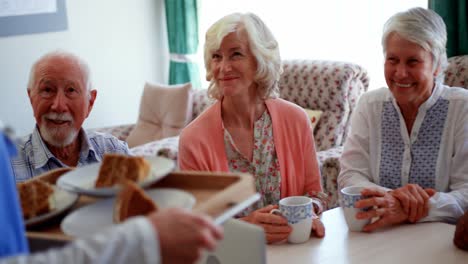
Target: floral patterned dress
[[264, 165]]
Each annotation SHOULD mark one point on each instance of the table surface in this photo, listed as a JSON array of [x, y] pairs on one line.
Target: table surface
[[409, 243]]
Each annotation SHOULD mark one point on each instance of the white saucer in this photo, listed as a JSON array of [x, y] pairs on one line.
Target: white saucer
[[96, 217]]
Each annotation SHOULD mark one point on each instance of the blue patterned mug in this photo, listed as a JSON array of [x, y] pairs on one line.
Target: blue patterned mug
[[299, 211], [348, 196]]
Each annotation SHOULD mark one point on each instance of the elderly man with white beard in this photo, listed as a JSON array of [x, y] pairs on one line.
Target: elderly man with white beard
[[61, 95]]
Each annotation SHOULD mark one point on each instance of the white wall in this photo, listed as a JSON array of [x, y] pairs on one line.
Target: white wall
[[124, 42]]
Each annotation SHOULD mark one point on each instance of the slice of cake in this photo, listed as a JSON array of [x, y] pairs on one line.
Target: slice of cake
[[132, 201], [35, 196], [116, 167]]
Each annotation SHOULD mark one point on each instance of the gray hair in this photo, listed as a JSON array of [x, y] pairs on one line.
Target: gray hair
[[423, 27], [83, 66], [262, 44]]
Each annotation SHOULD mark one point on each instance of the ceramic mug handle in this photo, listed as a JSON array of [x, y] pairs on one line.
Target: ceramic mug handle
[[319, 205], [276, 212]]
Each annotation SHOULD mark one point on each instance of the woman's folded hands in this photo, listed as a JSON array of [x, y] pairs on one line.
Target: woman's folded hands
[[409, 203], [414, 200]]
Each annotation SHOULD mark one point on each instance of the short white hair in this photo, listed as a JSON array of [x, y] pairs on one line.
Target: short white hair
[[262, 44], [423, 27], [83, 66]]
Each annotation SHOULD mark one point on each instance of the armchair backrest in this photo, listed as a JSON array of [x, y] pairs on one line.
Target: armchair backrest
[[200, 102], [457, 72], [330, 86]]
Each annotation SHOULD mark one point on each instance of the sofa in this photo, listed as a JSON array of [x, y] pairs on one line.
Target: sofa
[[332, 87]]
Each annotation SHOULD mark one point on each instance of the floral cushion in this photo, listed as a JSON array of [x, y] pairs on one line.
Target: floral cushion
[[200, 102], [314, 117], [121, 132], [166, 147], [457, 72]]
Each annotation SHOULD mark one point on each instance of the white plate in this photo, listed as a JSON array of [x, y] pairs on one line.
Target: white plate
[[96, 217], [61, 199], [82, 179]]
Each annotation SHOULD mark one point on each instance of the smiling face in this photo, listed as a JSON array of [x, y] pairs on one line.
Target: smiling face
[[234, 66], [408, 71], [60, 100]]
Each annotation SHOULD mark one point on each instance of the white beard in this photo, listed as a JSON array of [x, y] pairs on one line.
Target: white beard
[[58, 137]]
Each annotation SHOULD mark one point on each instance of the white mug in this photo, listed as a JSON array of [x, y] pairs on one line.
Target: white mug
[[348, 196], [299, 211]]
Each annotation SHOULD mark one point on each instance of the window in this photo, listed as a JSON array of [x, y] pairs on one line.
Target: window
[[341, 30]]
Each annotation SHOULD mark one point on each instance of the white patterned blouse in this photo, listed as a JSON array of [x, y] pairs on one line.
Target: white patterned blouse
[[380, 152]]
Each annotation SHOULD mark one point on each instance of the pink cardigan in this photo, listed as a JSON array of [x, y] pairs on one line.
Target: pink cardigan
[[201, 146]]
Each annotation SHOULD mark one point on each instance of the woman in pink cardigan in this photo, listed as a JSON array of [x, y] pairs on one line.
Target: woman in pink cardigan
[[249, 129]]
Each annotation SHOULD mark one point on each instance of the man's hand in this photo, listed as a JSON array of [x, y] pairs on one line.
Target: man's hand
[[276, 227], [414, 200], [184, 235], [383, 205]]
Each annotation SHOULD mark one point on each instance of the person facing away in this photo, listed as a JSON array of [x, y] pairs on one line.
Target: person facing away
[[62, 97], [409, 143], [249, 129]]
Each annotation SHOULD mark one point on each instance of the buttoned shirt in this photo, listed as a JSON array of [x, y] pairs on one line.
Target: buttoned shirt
[[379, 152], [34, 158]]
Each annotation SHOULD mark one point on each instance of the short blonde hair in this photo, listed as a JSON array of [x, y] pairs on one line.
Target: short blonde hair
[[262, 44]]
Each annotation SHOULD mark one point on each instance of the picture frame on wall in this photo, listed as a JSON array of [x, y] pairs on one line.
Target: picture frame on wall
[[32, 16]]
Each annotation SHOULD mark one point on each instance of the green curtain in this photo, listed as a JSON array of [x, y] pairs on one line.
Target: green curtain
[[182, 32], [455, 15]]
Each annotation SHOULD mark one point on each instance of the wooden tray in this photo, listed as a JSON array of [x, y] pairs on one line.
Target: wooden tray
[[220, 195]]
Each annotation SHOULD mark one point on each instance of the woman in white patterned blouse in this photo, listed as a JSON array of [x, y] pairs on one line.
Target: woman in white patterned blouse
[[409, 143]]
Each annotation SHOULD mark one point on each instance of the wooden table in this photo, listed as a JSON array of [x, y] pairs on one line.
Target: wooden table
[[416, 243]]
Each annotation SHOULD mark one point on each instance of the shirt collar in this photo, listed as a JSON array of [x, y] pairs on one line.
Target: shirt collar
[[41, 154], [87, 152], [433, 98]]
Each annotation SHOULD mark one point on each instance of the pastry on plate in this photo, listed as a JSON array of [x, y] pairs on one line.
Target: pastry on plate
[[132, 201], [35, 197], [116, 167]]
